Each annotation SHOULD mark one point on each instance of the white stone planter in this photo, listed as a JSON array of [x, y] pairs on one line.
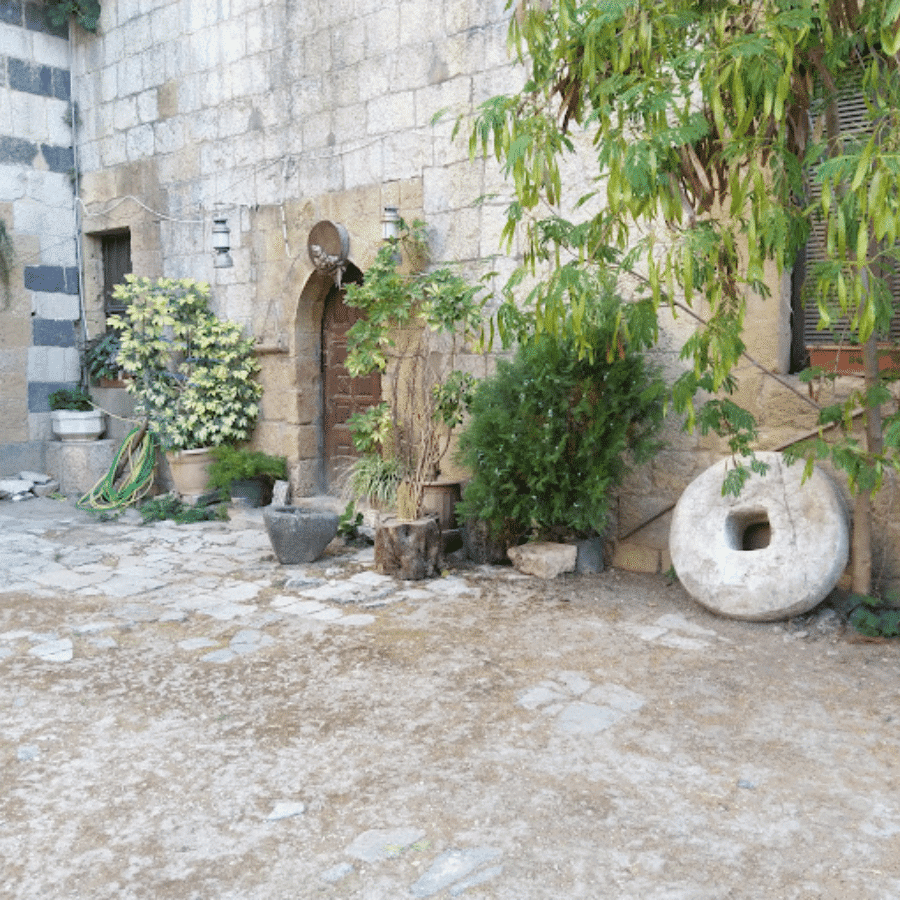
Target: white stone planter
[[75, 425]]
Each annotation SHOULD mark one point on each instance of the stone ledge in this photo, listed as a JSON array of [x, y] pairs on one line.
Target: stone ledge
[[79, 465]]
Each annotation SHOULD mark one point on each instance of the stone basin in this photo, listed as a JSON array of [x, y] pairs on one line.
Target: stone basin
[[299, 534]]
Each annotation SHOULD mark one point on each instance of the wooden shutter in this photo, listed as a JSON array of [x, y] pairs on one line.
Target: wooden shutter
[[854, 121], [116, 256]]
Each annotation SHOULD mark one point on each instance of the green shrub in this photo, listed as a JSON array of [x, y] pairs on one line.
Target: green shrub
[[239, 464], [193, 375], [874, 618], [349, 522], [551, 435], [86, 12], [75, 399], [169, 506]]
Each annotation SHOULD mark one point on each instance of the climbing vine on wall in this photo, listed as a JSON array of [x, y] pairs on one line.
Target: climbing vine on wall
[[86, 12]]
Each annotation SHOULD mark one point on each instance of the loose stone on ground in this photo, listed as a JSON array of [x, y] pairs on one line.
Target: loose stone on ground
[[451, 868], [380, 844]]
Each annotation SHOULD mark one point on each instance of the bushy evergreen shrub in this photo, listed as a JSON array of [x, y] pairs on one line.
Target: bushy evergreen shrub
[[551, 434]]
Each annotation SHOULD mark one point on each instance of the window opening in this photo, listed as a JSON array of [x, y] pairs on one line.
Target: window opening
[[115, 250], [809, 345]]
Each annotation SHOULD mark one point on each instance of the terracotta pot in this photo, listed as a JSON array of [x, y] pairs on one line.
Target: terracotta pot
[[190, 470], [439, 498], [77, 425]]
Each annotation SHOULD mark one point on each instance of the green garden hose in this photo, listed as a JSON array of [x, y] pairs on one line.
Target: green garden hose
[[129, 478]]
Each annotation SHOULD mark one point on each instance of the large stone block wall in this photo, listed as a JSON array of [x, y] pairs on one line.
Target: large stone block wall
[[274, 117], [40, 314]]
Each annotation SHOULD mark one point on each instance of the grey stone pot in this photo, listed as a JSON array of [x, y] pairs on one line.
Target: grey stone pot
[[590, 556], [252, 492], [299, 534]]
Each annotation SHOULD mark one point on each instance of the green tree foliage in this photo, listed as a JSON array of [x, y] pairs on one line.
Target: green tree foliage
[[703, 123], [552, 432], [416, 323]]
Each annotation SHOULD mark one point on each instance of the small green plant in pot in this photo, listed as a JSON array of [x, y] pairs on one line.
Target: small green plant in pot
[[101, 359], [75, 399], [552, 433], [74, 417], [246, 475]]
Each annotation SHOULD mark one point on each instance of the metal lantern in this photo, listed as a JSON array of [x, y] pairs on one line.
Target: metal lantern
[[221, 241], [390, 224]]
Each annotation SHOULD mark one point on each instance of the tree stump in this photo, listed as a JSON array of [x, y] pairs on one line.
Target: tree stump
[[411, 550]]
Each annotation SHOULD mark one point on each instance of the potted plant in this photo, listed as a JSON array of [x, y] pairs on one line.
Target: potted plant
[[101, 360], [74, 416], [192, 374], [247, 475], [377, 473], [417, 322], [551, 435]]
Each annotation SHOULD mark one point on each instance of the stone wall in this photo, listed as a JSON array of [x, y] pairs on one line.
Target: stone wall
[[274, 117], [40, 313]]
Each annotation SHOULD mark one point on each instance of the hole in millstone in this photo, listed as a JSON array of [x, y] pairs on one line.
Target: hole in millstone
[[748, 530]]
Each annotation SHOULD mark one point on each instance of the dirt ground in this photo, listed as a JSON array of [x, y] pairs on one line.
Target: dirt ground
[[596, 736]]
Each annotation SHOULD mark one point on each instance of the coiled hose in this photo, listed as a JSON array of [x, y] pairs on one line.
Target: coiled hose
[[129, 478]]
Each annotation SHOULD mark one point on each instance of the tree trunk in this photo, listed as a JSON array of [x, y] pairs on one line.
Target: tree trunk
[[408, 549], [861, 566], [861, 551]]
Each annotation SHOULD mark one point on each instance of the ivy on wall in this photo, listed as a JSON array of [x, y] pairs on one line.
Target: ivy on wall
[[86, 12]]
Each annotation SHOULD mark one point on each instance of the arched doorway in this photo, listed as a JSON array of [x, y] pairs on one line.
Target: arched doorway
[[342, 395]]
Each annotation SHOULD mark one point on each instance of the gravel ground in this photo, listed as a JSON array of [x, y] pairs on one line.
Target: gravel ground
[[488, 735]]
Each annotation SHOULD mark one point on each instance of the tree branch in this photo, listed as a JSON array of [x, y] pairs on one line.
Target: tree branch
[[766, 371]]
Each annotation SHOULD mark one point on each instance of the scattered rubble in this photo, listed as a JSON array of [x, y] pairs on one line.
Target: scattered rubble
[[27, 485]]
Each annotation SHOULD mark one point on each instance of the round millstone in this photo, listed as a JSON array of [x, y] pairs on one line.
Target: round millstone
[[772, 552]]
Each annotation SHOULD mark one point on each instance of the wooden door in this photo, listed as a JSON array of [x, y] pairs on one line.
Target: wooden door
[[343, 394]]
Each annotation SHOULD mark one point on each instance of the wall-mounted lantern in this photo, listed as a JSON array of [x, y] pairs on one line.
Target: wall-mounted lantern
[[390, 224], [221, 241]]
